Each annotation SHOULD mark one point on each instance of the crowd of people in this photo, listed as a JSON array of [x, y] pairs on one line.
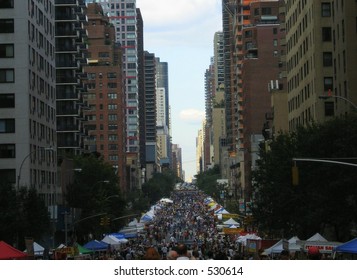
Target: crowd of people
[[184, 229]]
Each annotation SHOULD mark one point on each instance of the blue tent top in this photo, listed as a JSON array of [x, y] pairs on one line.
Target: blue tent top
[[348, 247], [117, 235], [96, 245]]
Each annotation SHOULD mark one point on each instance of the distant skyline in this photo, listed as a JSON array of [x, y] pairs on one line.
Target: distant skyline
[[181, 33]]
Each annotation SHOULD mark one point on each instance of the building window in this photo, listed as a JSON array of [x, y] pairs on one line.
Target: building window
[[112, 106], [112, 127], [112, 96], [327, 59], [7, 100], [112, 137], [7, 76], [112, 85], [112, 147], [248, 34], [130, 28], [6, 50], [6, 4], [266, 11], [111, 75], [329, 109], [6, 26], [7, 125], [7, 151], [112, 117], [326, 34], [325, 9], [103, 54], [328, 83], [8, 175]]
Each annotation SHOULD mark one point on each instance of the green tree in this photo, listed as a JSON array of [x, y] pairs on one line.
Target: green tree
[[23, 214], [325, 199], [9, 213], [95, 190], [159, 186], [207, 181]]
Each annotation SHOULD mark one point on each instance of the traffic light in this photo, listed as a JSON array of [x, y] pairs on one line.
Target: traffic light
[[295, 175], [104, 221]]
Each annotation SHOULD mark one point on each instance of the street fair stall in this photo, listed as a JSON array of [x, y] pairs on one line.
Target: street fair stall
[[346, 250], [7, 252], [317, 240]]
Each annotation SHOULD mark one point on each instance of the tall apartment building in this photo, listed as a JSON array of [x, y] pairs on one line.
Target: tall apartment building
[[163, 112], [253, 46], [149, 126], [209, 95], [163, 136], [28, 96], [105, 97], [262, 49], [124, 16], [321, 59], [70, 57], [177, 161]]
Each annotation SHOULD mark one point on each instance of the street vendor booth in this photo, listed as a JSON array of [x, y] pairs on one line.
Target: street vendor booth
[[317, 240], [7, 252], [348, 249]]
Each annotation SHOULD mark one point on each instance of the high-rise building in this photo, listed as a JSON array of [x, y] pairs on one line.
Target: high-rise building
[[70, 54], [163, 112], [321, 59], [28, 96], [177, 161], [105, 97], [149, 126], [124, 15]]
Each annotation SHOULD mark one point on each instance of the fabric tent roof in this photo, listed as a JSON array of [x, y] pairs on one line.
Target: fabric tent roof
[[96, 245], [278, 247], [317, 237], [348, 247], [231, 221], [8, 252], [83, 250], [110, 239], [38, 250], [221, 211], [243, 238]]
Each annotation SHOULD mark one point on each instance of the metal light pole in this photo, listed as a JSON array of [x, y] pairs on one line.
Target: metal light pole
[[340, 97], [22, 163]]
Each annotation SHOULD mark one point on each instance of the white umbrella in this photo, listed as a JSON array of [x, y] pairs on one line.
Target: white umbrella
[[167, 200]]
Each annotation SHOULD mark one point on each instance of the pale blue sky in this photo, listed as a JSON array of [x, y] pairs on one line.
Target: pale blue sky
[[181, 33]]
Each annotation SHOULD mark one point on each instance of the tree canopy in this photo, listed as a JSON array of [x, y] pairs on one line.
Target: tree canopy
[[23, 214], [325, 198], [95, 191]]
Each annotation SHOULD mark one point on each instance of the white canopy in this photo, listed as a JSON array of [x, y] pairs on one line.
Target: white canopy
[[278, 247], [221, 211], [243, 238], [112, 240], [167, 200], [317, 237], [38, 250], [231, 221]]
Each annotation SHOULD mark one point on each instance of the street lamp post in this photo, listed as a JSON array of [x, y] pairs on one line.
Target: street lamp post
[[23, 161], [340, 97]]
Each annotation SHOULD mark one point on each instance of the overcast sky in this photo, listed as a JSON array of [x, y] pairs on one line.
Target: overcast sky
[[180, 32]]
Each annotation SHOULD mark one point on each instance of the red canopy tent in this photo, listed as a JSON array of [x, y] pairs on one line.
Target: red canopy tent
[[8, 252]]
